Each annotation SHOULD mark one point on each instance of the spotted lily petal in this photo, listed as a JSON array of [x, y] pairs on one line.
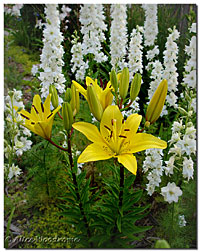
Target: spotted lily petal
[[89, 130], [143, 141], [95, 152]]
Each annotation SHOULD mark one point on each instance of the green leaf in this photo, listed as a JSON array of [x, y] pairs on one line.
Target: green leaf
[[119, 223]]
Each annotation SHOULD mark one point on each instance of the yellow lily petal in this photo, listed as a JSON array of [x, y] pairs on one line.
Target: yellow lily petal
[[132, 123], [82, 90], [89, 130], [129, 162], [94, 152], [143, 141], [26, 114], [46, 105]]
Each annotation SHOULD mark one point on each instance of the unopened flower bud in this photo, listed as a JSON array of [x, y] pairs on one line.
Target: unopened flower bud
[[162, 244], [135, 86], [156, 104], [94, 103], [147, 124], [67, 116], [182, 111], [68, 95], [113, 79], [124, 83], [54, 96], [75, 103]]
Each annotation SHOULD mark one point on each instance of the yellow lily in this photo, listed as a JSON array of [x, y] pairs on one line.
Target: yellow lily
[[105, 96], [117, 138], [40, 120]]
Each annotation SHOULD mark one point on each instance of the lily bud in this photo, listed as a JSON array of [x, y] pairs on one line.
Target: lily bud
[[68, 95], [135, 86], [124, 83], [113, 79], [75, 104], [54, 96], [162, 244], [67, 116], [94, 103], [156, 104]]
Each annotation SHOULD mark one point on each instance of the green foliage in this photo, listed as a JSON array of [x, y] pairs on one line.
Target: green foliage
[[46, 230], [177, 236]]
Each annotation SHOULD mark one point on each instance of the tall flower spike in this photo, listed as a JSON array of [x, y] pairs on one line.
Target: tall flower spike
[[117, 138], [40, 120]]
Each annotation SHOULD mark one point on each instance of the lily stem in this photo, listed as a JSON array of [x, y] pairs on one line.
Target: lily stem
[[121, 185], [76, 186], [58, 146]]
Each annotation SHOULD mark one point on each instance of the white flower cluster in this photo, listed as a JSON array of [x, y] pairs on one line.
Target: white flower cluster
[[170, 70], [190, 68], [78, 64], [18, 142], [150, 24], [181, 221], [171, 192], [65, 12], [93, 28], [118, 35], [183, 142], [14, 11], [135, 52], [21, 143], [154, 165], [12, 171], [52, 53]]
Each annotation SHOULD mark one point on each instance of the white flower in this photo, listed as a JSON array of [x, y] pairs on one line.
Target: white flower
[[152, 53], [188, 168], [170, 70], [93, 28], [177, 126], [150, 189], [187, 145], [22, 145], [169, 169], [150, 24], [34, 69], [181, 221], [78, 64], [193, 28], [175, 137], [118, 35], [13, 171], [171, 192], [52, 53], [135, 53]]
